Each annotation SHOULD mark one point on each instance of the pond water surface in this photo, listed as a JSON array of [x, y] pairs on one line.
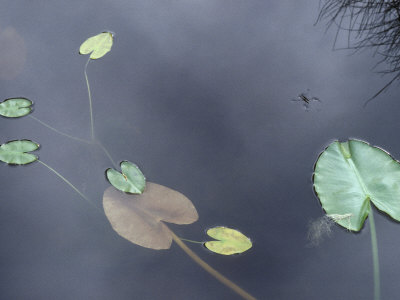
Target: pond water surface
[[198, 94]]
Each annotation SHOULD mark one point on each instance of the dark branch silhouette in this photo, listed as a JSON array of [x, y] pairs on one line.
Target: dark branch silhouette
[[369, 24]]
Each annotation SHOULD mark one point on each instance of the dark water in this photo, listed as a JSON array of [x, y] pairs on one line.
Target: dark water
[[197, 93]]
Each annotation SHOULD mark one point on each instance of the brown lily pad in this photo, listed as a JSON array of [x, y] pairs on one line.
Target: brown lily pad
[[138, 218]]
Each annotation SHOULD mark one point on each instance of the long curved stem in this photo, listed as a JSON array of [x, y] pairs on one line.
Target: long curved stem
[[70, 184], [58, 131], [209, 269], [107, 153], [78, 139], [375, 257], [90, 101]]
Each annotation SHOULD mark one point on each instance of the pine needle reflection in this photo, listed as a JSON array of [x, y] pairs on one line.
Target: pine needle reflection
[[368, 24]]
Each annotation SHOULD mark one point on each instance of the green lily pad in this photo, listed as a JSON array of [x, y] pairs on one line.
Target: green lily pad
[[131, 180], [97, 45], [349, 176], [230, 241], [15, 107], [14, 152]]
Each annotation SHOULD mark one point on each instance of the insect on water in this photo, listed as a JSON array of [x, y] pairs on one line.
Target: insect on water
[[306, 99]]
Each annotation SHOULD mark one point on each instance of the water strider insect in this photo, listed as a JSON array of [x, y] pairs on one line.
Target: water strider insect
[[306, 100]]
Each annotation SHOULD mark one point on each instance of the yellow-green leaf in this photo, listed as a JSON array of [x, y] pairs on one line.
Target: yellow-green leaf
[[230, 241], [97, 45]]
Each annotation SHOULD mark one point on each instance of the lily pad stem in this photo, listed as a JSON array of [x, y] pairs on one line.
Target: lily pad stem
[[77, 139], [90, 101], [191, 241], [238, 290], [70, 184], [58, 131], [375, 258], [107, 154]]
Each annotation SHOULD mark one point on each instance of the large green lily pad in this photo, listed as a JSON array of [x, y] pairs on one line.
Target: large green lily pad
[[15, 152], [351, 175], [15, 107], [138, 218]]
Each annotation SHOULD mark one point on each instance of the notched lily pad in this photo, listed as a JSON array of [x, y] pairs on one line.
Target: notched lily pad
[[348, 176], [15, 107], [97, 45], [15, 152], [131, 180], [230, 241], [138, 218]]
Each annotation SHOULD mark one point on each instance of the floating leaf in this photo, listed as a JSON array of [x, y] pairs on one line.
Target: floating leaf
[[97, 45], [15, 107], [230, 241], [137, 218], [14, 152], [131, 180], [350, 175]]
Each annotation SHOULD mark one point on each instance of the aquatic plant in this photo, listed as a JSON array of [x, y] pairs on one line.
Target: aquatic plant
[[16, 152], [130, 180], [140, 218], [136, 210], [349, 179], [15, 107], [97, 46], [229, 241], [368, 24]]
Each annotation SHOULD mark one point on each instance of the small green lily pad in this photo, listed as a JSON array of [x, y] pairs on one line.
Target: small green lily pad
[[14, 152], [230, 241], [97, 45], [15, 107], [131, 180]]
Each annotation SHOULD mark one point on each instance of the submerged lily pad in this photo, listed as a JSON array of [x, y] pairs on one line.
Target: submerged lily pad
[[349, 176], [138, 218], [131, 180], [230, 241], [14, 152], [97, 45], [15, 107]]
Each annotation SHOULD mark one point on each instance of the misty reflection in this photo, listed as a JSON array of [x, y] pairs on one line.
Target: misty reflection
[[12, 53]]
